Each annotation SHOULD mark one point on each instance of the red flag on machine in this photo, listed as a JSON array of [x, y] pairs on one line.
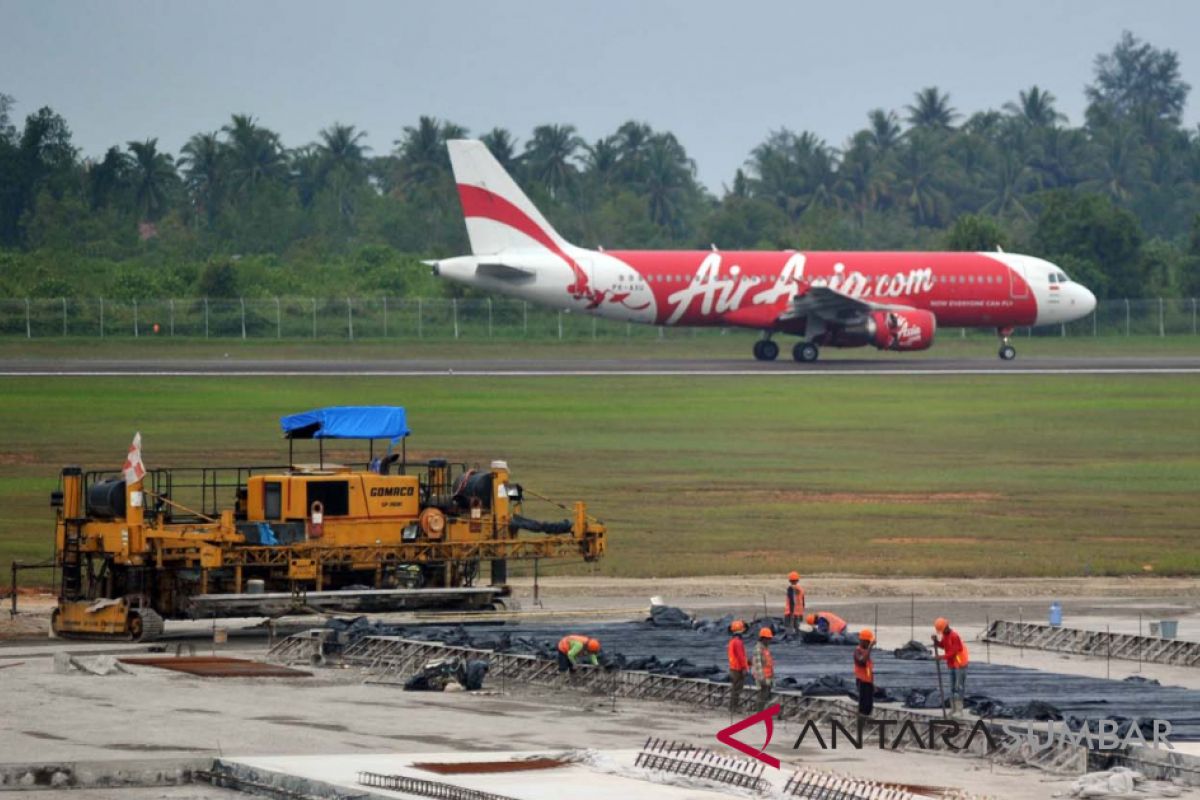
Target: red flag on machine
[[133, 469]]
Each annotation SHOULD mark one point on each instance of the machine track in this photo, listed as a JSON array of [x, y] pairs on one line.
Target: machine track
[[145, 625]]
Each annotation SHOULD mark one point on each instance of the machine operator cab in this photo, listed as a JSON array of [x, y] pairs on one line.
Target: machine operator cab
[[337, 505]]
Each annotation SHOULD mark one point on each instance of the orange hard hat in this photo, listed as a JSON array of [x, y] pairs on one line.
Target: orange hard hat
[[940, 624], [866, 635], [793, 576], [737, 626], [811, 619], [765, 633], [593, 646]]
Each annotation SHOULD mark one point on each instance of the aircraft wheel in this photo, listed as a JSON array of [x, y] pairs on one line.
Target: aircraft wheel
[[1007, 352], [766, 350], [806, 352]]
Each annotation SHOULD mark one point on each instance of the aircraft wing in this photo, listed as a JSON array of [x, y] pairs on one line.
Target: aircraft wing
[[831, 306]]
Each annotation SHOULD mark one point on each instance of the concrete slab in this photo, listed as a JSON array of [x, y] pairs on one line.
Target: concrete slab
[[604, 775]]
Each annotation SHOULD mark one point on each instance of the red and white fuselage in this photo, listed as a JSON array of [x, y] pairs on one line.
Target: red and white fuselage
[[893, 300]]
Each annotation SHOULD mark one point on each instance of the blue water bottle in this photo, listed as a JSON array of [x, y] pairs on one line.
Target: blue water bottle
[[1055, 614]]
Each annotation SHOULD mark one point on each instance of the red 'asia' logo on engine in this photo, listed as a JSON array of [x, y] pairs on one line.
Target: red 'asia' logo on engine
[[766, 716]]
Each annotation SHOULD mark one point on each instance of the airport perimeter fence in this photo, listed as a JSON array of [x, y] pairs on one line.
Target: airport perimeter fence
[[444, 319]]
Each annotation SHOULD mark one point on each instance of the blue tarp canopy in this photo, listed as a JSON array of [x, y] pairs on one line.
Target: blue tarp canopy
[[347, 422]]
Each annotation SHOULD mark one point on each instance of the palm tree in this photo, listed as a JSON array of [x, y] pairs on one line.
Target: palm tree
[[922, 168], [931, 110], [864, 180], [503, 146], [256, 156], [203, 162], [341, 164], [1122, 165], [1060, 157], [307, 170], [341, 148], [884, 129], [793, 172], [1036, 109], [601, 161], [423, 160], [669, 176], [632, 140], [548, 156], [152, 176], [1007, 181]]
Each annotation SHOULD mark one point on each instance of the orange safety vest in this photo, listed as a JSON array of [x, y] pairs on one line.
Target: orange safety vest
[[564, 644], [794, 604], [836, 623], [737, 655], [864, 671]]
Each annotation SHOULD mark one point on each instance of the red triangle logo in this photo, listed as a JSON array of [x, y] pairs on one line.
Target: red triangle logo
[[725, 735]]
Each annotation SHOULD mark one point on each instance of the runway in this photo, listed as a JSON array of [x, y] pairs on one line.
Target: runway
[[517, 367]]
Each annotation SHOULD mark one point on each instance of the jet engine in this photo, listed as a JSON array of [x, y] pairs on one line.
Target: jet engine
[[911, 329]]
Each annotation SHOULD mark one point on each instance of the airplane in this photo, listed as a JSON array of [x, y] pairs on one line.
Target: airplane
[[889, 300]]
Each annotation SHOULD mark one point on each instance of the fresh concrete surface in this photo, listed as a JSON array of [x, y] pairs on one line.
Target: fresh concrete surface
[[189, 792]]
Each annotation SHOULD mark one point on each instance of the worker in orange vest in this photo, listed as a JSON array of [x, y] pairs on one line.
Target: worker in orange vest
[[826, 622], [763, 667], [864, 672], [571, 646], [738, 666], [793, 609], [957, 658]]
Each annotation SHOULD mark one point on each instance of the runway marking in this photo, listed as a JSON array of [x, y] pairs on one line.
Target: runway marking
[[629, 373]]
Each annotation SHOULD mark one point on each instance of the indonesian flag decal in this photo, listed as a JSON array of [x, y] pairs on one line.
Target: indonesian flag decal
[[134, 469]]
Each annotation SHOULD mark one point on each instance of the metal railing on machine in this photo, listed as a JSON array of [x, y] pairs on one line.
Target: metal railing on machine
[[417, 318]]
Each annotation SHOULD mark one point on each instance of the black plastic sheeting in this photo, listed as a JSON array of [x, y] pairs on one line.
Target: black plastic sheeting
[[671, 642]]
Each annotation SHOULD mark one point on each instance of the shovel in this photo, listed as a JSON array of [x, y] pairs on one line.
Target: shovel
[[937, 662]]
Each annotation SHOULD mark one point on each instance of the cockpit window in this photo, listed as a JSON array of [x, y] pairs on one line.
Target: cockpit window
[[1053, 276], [1062, 277]]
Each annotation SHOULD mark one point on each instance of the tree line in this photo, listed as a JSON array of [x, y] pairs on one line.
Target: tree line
[[1114, 200]]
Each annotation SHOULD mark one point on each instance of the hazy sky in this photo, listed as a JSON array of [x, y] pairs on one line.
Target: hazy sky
[[720, 75]]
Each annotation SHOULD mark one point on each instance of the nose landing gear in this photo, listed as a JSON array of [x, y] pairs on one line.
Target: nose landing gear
[[1007, 351]]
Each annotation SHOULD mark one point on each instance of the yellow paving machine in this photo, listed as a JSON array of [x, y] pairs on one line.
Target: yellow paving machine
[[137, 546]]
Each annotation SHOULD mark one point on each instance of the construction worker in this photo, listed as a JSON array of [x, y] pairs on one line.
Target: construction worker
[[763, 667], [955, 654], [864, 672], [793, 610], [826, 622], [738, 666], [571, 646]]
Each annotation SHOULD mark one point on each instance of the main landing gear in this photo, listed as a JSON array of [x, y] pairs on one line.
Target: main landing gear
[[766, 350], [806, 352], [1007, 351]]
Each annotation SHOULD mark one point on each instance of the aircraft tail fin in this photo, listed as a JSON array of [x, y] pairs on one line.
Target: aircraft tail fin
[[499, 216]]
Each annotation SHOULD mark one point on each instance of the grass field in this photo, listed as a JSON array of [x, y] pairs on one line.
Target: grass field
[[975, 476], [678, 344]]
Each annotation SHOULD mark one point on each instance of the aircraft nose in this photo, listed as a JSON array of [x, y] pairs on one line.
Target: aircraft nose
[[1086, 301]]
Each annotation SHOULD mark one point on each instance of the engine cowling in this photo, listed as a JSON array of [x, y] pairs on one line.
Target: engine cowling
[[903, 330], [911, 329]]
